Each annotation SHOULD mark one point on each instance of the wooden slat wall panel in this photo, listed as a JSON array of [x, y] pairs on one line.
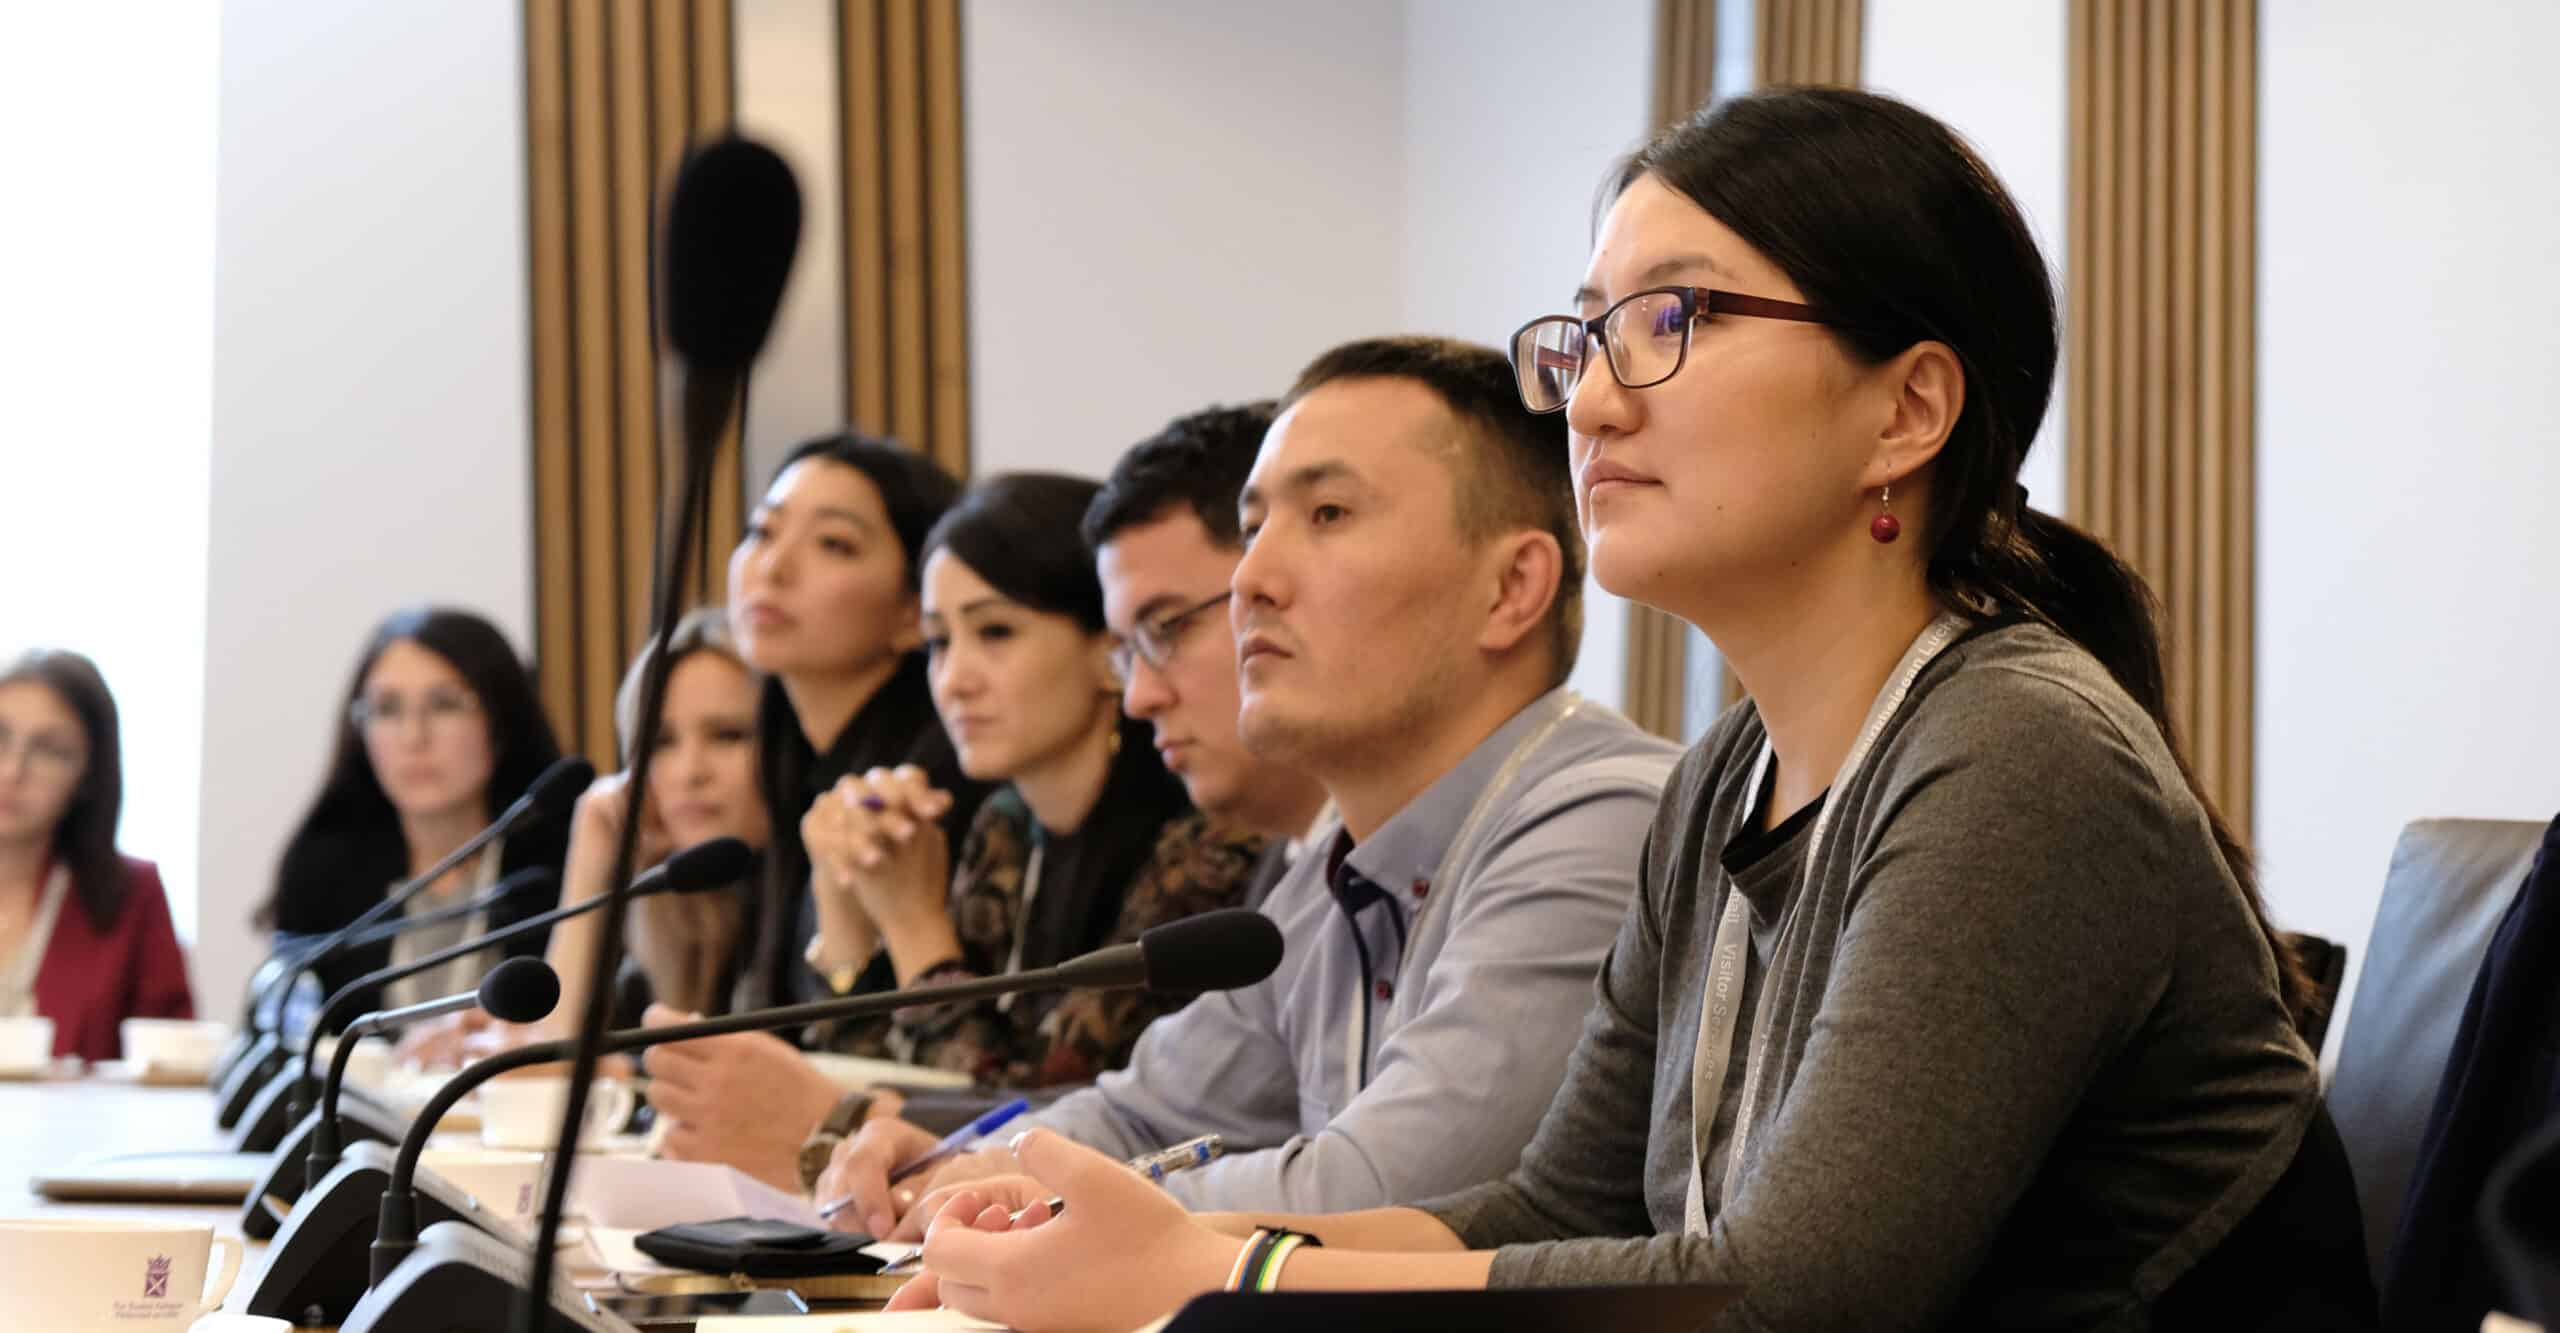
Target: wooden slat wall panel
[[547, 249], [2161, 411], [615, 90], [1684, 58], [905, 233], [1657, 670], [1810, 41]]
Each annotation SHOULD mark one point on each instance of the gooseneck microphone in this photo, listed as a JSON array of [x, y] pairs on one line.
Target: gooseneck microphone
[[521, 884], [313, 1272], [706, 865], [268, 1108], [552, 794], [306, 1080], [518, 990], [1221, 950], [732, 227], [251, 1028]]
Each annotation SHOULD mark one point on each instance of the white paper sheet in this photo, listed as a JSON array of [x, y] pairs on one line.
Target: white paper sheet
[[644, 1194]]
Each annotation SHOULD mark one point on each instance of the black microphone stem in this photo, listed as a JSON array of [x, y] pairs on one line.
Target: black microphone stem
[[393, 901], [696, 453], [309, 1089], [353, 991], [324, 1133]]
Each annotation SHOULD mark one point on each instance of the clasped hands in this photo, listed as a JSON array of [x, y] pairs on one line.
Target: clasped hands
[[877, 852]]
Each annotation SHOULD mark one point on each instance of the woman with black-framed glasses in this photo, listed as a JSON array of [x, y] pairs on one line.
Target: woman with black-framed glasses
[[1948, 1000], [440, 729]]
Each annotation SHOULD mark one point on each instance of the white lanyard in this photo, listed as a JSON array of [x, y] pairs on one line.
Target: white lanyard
[[1729, 956], [1022, 919], [1357, 1031]]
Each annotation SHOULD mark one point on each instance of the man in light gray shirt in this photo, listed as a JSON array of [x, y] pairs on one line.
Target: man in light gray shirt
[[1405, 611]]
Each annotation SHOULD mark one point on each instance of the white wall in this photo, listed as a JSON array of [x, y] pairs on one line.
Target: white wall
[[370, 435], [1996, 70], [106, 257], [1169, 206], [2408, 464], [1511, 120]]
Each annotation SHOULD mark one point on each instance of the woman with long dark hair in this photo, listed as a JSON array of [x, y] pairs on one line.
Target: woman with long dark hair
[[85, 935], [439, 731], [823, 599], [1090, 841], [684, 950], [823, 596], [1947, 1000]]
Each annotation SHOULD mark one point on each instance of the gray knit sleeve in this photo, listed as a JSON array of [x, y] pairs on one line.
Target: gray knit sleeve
[[2016, 873]]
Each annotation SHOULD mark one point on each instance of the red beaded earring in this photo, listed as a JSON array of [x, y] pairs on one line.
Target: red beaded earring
[[1885, 527]]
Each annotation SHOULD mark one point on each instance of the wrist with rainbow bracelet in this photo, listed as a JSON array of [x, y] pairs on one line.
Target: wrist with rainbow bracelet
[[1258, 1264]]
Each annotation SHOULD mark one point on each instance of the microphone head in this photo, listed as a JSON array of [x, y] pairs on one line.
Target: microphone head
[[715, 863], [1222, 950], [556, 792], [520, 990], [733, 222]]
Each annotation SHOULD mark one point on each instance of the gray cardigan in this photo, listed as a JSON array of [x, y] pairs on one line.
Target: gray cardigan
[[1469, 1020], [2029, 1063]]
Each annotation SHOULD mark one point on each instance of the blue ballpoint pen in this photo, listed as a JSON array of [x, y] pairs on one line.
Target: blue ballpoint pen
[[953, 1144], [962, 1139]]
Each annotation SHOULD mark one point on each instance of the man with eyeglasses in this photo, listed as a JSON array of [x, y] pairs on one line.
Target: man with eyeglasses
[[1405, 581], [1165, 542]]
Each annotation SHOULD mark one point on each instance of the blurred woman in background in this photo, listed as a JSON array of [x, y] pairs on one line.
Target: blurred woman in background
[[85, 936], [440, 730], [685, 950]]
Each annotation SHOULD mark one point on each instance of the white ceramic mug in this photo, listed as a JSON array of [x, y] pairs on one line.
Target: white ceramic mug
[[74, 1275], [505, 1182], [179, 1045], [26, 1044], [525, 1112]]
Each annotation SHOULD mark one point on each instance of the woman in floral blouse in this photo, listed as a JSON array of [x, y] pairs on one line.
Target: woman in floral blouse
[[1089, 842]]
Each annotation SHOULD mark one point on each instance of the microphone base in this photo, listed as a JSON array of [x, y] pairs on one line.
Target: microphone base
[[317, 1266], [251, 1073], [462, 1278], [288, 1167], [270, 1115], [228, 1057]]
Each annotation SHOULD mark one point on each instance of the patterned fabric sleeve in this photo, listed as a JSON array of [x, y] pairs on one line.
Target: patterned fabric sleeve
[[1044, 1040]]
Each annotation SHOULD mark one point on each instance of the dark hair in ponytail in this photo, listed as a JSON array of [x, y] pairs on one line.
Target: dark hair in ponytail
[[1887, 220]]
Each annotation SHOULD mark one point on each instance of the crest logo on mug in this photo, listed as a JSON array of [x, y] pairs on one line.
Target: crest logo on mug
[[155, 1278]]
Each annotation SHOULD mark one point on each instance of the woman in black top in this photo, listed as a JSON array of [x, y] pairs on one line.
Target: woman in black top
[[823, 599], [440, 730]]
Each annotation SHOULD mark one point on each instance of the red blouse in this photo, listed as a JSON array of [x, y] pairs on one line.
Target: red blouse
[[91, 981]]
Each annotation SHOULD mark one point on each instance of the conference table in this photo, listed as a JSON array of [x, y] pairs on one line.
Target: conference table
[[47, 1124]]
